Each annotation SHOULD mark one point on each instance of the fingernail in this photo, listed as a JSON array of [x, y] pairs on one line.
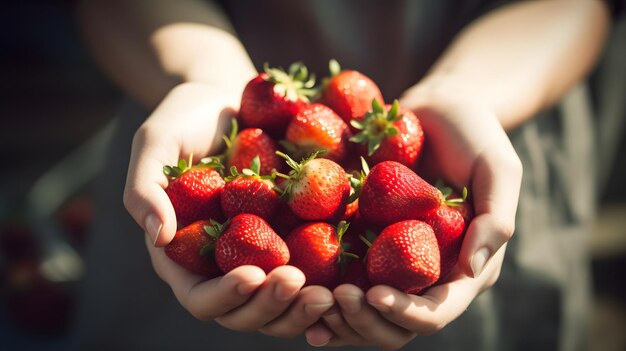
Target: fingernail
[[350, 303], [323, 343], [478, 261], [153, 227], [286, 291], [317, 309]]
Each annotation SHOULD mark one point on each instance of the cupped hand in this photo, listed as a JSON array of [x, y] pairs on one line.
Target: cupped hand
[[467, 146], [191, 120]]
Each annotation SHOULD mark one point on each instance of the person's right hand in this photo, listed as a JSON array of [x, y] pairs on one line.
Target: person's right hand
[[191, 119]]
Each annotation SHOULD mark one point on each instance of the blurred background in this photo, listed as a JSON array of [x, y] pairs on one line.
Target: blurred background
[[56, 112]]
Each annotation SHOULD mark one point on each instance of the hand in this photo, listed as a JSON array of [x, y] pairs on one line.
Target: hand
[[466, 146], [191, 119]]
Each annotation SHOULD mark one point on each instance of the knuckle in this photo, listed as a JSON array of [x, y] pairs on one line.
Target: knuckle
[[503, 228]]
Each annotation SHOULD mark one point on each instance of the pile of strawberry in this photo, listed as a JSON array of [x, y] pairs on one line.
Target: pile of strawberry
[[294, 187]]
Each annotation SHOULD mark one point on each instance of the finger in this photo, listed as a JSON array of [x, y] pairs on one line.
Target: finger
[[318, 334], [206, 299], [367, 322], [280, 288], [312, 302], [144, 197], [496, 183], [190, 120], [438, 306], [343, 334]]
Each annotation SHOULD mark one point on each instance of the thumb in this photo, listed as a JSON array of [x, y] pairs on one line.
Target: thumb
[[496, 182], [144, 195]]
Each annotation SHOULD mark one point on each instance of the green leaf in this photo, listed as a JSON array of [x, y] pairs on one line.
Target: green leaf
[[357, 124], [255, 165], [358, 138], [391, 131], [365, 166], [393, 112], [372, 145], [376, 107], [334, 67]]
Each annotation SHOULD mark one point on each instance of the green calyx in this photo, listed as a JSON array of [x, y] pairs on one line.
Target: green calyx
[[447, 191], [296, 84], [185, 165], [376, 126], [296, 170], [214, 231], [230, 139], [357, 180]]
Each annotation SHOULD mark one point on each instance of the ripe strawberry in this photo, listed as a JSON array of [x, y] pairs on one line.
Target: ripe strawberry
[[449, 228], [316, 250], [349, 93], [248, 240], [390, 134], [449, 224], [192, 248], [247, 192], [392, 192], [272, 98], [317, 188], [243, 146], [405, 256], [194, 191], [318, 128]]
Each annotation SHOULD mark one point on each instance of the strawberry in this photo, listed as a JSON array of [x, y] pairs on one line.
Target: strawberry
[[391, 134], [248, 192], [192, 248], [243, 146], [248, 240], [392, 192], [449, 228], [318, 128], [349, 93], [271, 99], [316, 250], [405, 256], [449, 225], [317, 188], [194, 191]]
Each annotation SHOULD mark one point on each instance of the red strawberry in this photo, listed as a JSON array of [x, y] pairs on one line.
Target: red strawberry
[[405, 256], [315, 249], [317, 188], [390, 135], [194, 192], [449, 228], [349, 93], [274, 97], [318, 128], [192, 248], [247, 192], [392, 192], [248, 240], [449, 224], [246, 145]]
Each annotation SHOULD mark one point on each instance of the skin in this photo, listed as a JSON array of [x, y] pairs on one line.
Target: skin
[[498, 72]]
